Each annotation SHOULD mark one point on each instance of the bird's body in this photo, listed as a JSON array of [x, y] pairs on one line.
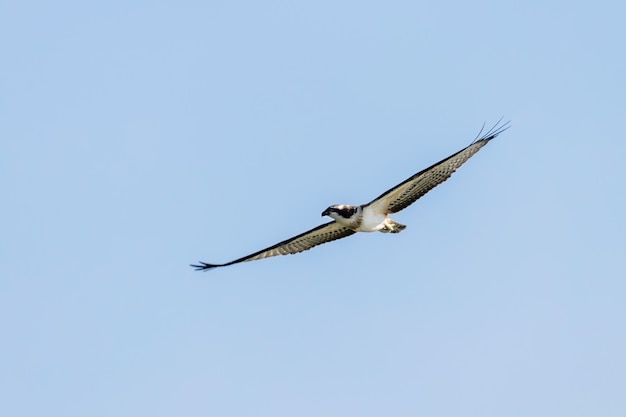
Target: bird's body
[[373, 216], [363, 218]]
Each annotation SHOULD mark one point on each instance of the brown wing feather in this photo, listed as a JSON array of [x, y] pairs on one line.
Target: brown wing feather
[[321, 234], [409, 191]]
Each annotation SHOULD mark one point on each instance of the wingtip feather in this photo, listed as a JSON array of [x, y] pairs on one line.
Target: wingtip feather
[[493, 132], [204, 266]]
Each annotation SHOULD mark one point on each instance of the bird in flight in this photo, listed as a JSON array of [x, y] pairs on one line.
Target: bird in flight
[[373, 216]]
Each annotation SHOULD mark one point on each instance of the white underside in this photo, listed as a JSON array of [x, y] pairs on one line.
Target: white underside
[[372, 222]]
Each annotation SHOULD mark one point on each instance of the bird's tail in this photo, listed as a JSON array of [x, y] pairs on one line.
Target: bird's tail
[[393, 227]]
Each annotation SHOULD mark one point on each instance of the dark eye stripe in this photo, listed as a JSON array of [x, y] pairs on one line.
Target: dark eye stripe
[[346, 213]]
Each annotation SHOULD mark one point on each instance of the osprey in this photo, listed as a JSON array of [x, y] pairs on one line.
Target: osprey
[[373, 216]]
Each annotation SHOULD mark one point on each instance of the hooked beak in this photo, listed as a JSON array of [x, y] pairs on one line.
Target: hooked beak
[[326, 212]]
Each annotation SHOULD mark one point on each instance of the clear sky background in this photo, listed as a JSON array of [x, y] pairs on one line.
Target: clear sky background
[[139, 137]]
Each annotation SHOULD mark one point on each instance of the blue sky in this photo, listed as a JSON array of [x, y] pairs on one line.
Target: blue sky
[[140, 137]]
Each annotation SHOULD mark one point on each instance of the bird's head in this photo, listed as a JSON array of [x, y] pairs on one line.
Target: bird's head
[[340, 210]]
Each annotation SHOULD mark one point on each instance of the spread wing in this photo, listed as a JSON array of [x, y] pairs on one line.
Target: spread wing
[[321, 234], [406, 193]]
